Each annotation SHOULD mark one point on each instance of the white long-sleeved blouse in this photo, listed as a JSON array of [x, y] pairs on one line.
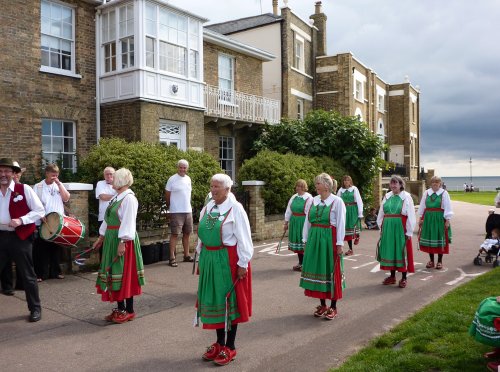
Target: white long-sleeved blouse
[[288, 213], [127, 213], [337, 216], [445, 202], [357, 198], [235, 229], [407, 210]]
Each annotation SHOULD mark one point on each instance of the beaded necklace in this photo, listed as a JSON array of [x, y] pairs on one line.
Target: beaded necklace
[[212, 219]]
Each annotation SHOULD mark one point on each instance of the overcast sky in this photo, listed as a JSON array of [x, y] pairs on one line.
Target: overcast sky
[[449, 48]]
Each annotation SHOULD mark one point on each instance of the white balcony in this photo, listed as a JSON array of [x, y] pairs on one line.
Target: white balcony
[[240, 106]]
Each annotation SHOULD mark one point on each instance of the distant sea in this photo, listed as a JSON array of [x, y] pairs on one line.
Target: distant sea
[[484, 183]]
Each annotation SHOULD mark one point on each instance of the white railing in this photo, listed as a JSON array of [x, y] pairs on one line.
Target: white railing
[[230, 104]]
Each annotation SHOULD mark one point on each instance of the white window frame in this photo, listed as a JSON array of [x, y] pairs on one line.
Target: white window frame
[[299, 52], [359, 81], [227, 144], [51, 156], [168, 136], [300, 108], [380, 103], [126, 24], [49, 35], [127, 54], [226, 95]]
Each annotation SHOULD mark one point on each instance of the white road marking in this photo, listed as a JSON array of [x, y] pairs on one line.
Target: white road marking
[[462, 276], [376, 269], [365, 264]]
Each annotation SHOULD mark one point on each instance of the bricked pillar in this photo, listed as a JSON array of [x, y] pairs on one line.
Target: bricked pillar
[[256, 208], [377, 191], [78, 206]]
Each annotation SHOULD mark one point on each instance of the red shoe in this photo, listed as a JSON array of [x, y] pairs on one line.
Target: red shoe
[[402, 283], [225, 356], [389, 280], [493, 366], [212, 352], [122, 317], [349, 252], [109, 318], [331, 314], [320, 311]]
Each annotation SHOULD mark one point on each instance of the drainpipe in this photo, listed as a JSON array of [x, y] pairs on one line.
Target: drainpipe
[[97, 73]]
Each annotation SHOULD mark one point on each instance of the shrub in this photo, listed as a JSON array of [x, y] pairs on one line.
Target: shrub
[[280, 172], [151, 165]]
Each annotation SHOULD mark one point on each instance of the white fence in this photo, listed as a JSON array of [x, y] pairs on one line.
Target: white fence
[[230, 104]]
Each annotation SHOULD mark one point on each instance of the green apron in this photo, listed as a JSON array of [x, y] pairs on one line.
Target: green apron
[[432, 234], [215, 279], [296, 225], [352, 224], [391, 251], [110, 250]]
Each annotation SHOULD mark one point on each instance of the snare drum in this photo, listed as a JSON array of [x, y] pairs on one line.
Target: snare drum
[[62, 230]]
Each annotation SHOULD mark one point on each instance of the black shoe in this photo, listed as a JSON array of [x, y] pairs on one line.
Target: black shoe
[[8, 292], [35, 316]]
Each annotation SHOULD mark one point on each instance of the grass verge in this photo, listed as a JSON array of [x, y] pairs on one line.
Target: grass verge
[[435, 338], [483, 197]]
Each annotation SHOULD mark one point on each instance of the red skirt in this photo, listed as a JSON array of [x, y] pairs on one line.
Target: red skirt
[[243, 291], [130, 281]]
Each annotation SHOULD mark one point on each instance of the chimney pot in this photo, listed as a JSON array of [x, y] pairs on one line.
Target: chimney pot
[[317, 7]]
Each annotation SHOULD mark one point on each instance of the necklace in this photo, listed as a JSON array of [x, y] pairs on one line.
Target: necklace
[[320, 209], [212, 218]]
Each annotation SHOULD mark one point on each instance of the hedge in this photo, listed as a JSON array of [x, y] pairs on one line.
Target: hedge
[[151, 165], [280, 172]]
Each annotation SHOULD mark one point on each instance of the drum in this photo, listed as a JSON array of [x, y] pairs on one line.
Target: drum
[[62, 230]]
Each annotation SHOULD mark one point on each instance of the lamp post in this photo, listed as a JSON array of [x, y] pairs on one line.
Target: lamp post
[[470, 162]]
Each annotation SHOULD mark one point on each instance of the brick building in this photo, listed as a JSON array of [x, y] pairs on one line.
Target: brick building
[[290, 77], [47, 105]]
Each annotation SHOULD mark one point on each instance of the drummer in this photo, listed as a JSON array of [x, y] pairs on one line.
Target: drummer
[[53, 194]]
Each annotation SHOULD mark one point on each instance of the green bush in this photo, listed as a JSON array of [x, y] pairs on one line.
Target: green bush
[[151, 165], [280, 172]]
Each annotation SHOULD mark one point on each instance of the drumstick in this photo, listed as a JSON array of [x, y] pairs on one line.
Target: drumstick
[[278, 247]]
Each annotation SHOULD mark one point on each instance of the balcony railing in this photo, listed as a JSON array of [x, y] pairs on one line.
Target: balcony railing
[[399, 169], [230, 104]]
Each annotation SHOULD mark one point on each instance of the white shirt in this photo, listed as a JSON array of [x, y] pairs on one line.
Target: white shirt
[[445, 202], [50, 196], [235, 229], [127, 214], [337, 216], [34, 204], [357, 198], [288, 213], [407, 210], [180, 197], [103, 187]]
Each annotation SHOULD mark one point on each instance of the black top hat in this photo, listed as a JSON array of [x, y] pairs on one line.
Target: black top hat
[[7, 162]]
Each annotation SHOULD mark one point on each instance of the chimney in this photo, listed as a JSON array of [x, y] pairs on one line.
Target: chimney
[[319, 19], [275, 7]]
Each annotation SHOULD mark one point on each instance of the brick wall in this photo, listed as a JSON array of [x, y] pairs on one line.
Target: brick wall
[[29, 95], [247, 71], [140, 121]]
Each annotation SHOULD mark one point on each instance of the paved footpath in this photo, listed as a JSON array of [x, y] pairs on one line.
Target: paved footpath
[[282, 335]]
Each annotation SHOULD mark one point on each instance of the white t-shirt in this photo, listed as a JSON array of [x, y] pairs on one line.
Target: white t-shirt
[[103, 187], [180, 197], [50, 197]]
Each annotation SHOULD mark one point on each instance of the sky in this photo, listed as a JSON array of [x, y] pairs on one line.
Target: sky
[[448, 48]]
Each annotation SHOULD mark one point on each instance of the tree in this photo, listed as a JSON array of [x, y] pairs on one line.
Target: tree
[[327, 133]]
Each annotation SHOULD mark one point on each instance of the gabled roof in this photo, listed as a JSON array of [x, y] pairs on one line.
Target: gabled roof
[[237, 25]]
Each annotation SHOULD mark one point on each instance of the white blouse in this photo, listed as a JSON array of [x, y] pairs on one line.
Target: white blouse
[[288, 213], [357, 198], [445, 202], [407, 210], [127, 213], [337, 216], [50, 196], [235, 229]]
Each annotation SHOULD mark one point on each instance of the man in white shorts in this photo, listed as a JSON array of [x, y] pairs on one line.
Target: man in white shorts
[[178, 199]]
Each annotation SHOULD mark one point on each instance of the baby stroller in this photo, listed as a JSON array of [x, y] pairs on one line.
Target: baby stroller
[[492, 255]]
